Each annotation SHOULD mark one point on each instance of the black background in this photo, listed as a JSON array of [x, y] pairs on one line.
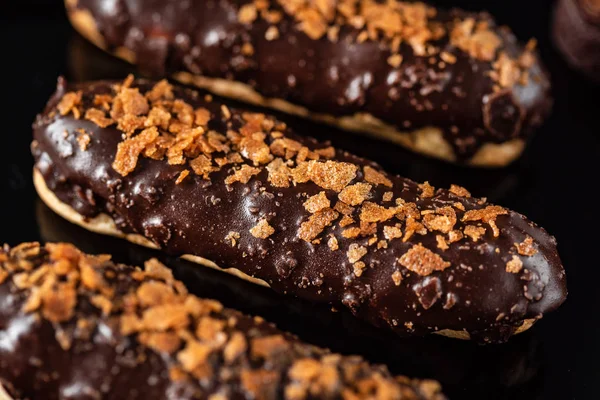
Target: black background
[[555, 184]]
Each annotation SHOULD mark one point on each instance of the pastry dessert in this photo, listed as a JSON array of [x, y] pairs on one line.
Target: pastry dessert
[[172, 168], [449, 84], [80, 326], [576, 32]]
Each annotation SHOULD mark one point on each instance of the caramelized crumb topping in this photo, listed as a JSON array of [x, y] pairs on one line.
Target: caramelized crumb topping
[[515, 265], [201, 342], [422, 261], [262, 230], [526, 248]]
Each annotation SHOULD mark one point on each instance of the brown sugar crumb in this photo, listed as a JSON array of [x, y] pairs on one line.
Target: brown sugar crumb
[[332, 243], [422, 261], [478, 41], [443, 219], [426, 190], [162, 90], [279, 173], [351, 233], [98, 117], [262, 230], [355, 194], [459, 191], [515, 265], [236, 346], [247, 49], [69, 102], [388, 196], [327, 152], [225, 111], [355, 252], [83, 140], [247, 13], [455, 236], [441, 243], [59, 305], [358, 268], [448, 57], [392, 232], [487, 215], [316, 223], [267, 346], [182, 175], [375, 177], [317, 203], [526, 248], [130, 149], [474, 232], [346, 220], [194, 355], [372, 212], [242, 175], [202, 166], [333, 175], [201, 117], [394, 60], [259, 384], [397, 278], [232, 237], [272, 33], [343, 208]]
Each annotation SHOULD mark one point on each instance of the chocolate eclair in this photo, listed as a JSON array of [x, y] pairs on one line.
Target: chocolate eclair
[[79, 326], [576, 31], [447, 83], [172, 168]]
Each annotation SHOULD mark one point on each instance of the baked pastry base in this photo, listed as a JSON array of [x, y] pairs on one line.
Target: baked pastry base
[[429, 141], [3, 394], [104, 224]]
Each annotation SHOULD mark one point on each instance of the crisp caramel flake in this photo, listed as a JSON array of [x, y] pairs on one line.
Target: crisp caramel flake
[[162, 90], [262, 230], [98, 117], [474, 232], [182, 176], [332, 243], [459, 191], [487, 215], [515, 265], [317, 202], [247, 13], [69, 102], [279, 173], [83, 140], [397, 278], [235, 347], [426, 190], [441, 243], [375, 177], [372, 212], [422, 261], [130, 149], [243, 175], [202, 165], [316, 223], [59, 305], [355, 252], [392, 232], [333, 175], [443, 220], [526, 248], [355, 194], [358, 268]]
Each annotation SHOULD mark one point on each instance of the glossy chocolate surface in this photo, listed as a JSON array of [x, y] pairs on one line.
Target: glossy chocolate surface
[[336, 78], [475, 294], [87, 355]]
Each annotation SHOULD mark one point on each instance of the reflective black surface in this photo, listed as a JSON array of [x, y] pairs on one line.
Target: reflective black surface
[[554, 184]]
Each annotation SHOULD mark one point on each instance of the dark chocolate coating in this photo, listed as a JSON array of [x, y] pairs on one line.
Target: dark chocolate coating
[[475, 294], [576, 32], [341, 78], [102, 363]]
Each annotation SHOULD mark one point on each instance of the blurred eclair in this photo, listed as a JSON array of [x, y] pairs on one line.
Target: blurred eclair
[[447, 83]]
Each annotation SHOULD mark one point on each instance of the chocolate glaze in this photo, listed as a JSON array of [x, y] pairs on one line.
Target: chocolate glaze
[[475, 294], [576, 32], [341, 78], [101, 362]]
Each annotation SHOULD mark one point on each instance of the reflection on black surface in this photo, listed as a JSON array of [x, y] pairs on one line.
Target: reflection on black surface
[[466, 370]]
